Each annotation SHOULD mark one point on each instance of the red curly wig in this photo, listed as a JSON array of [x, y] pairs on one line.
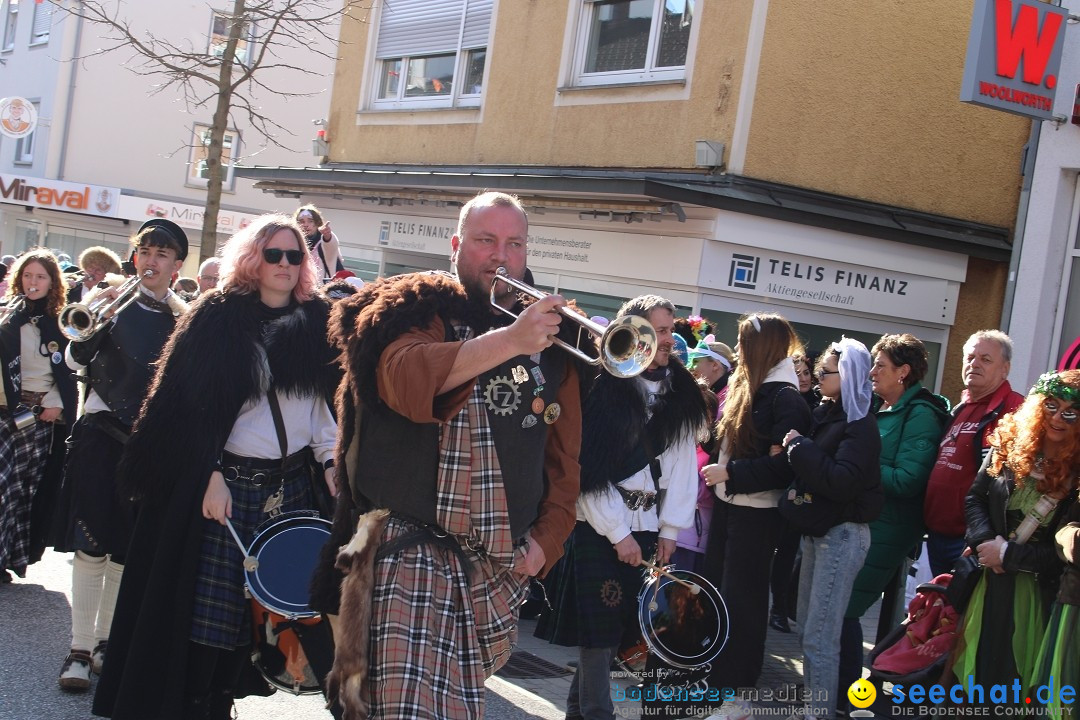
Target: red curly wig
[[1018, 442]]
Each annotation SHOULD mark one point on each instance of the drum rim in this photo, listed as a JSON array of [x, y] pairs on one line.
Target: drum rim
[[680, 662], [255, 587]]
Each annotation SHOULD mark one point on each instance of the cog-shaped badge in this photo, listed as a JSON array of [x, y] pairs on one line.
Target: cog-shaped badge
[[502, 396], [611, 593]]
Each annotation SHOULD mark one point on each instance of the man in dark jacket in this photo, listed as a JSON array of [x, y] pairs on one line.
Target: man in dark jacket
[[987, 396]]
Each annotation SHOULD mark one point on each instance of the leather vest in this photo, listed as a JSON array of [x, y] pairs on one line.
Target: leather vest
[[398, 460], [121, 371]]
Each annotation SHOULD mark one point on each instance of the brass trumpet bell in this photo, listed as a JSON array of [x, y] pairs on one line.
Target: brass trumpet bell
[[627, 345]]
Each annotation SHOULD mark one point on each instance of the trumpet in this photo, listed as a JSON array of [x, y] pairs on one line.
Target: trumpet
[[8, 311], [627, 346], [80, 322]]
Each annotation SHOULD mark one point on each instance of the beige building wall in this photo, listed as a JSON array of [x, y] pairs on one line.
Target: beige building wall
[[861, 99], [526, 121]]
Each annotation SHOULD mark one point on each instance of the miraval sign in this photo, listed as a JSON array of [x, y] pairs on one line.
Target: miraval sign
[[1013, 56], [58, 195]]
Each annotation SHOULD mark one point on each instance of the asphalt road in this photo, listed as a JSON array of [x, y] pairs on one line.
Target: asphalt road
[[36, 615]]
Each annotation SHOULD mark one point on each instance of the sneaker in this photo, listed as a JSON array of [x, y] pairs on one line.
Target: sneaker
[[97, 658], [75, 674]]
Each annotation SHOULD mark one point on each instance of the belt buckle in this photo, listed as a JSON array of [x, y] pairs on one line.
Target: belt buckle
[[648, 501], [230, 470], [257, 479], [635, 499]]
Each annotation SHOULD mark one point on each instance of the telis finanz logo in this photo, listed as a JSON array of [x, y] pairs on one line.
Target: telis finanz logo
[[744, 270]]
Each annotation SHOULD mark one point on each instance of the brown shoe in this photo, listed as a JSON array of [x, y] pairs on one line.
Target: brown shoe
[[75, 674]]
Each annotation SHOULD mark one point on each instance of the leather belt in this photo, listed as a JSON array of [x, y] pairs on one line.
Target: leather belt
[[258, 471], [639, 499]]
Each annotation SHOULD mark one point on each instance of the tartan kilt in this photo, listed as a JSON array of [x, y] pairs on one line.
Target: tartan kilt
[[594, 596], [221, 614], [22, 463]]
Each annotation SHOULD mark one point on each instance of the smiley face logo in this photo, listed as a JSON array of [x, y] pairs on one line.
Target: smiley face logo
[[862, 694]]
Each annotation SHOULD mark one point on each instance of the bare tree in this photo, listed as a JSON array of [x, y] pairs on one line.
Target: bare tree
[[228, 77]]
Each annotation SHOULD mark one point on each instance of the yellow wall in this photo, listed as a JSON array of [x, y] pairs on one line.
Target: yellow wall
[[522, 124], [861, 99]]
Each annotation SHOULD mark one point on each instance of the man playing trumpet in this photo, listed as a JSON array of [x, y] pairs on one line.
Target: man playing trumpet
[[466, 427], [118, 362]]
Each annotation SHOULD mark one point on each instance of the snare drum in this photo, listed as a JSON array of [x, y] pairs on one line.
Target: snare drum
[[287, 550], [682, 628]]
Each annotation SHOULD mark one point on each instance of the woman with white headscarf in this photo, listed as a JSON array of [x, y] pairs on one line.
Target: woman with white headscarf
[[836, 493]]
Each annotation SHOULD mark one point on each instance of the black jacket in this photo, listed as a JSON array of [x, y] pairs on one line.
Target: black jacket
[[985, 512], [777, 408], [51, 337], [837, 466], [208, 369]]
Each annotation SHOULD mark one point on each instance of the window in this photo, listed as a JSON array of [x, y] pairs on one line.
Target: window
[[219, 37], [431, 53], [24, 147], [39, 32], [11, 19], [198, 171], [626, 41]]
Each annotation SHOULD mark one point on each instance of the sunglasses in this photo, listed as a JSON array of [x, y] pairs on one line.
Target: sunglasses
[[273, 256], [1069, 414]]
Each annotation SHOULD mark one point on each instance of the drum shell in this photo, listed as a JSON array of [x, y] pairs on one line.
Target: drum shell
[[286, 549]]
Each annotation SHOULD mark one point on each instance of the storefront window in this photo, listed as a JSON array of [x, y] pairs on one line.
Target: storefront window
[[27, 235], [73, 241]]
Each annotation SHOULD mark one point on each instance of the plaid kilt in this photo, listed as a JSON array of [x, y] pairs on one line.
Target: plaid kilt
[[221, 615], [594, 596], [22, 463], [427, 628]]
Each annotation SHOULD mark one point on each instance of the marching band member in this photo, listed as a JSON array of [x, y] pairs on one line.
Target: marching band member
[[119, 361]]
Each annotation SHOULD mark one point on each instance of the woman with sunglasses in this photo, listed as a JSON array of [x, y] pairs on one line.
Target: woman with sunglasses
[[1016, 503], [911, 421], [254, 349]]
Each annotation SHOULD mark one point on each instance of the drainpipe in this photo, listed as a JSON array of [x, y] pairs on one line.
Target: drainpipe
[[74, 71], [1031, 150]]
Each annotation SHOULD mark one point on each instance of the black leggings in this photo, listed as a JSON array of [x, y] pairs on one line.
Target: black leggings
[[212, 675]]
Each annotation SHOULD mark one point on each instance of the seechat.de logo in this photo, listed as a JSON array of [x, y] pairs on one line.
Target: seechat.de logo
[[744, 271]]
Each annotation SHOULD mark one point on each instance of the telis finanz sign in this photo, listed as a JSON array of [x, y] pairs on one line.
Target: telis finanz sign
[[1013, 56]]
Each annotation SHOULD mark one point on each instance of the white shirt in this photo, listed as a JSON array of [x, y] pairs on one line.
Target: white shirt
[[607, 513], [307, 422]]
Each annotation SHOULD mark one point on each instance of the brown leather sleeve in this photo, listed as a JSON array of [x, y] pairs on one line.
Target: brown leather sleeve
[[558, 506], [413, 368]]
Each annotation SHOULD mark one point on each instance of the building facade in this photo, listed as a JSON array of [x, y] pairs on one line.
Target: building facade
[[733, 155], [121, 153]]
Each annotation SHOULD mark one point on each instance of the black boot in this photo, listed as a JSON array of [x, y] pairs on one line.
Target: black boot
[[221, 705], [778, 622], [196, 707]]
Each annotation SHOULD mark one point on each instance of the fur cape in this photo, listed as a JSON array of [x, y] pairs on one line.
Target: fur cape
[[613, 424], [210, 366]]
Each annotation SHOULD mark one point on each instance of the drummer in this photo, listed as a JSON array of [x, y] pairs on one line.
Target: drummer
[[638, 491], [250, 367]]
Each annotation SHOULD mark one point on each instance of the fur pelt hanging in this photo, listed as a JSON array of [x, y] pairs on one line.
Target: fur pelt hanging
[[613, 424], [347, 681]]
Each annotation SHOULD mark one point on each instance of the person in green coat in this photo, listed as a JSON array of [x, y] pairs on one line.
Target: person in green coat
[[911, 421]]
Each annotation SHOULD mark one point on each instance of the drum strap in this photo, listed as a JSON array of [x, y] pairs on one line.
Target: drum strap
[[279, 424]]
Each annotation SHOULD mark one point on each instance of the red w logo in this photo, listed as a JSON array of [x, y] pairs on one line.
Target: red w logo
[[1024, 41]]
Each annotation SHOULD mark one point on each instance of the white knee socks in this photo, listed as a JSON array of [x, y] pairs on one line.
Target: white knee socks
[[87, 574], [113, 573]]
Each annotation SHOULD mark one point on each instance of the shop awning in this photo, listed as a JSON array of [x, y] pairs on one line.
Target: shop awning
[[633, 195]]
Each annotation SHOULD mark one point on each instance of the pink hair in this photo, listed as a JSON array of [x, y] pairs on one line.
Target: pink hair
[[242, 256]]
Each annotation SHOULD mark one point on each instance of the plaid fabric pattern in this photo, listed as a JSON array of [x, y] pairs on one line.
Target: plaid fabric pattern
[[436, 638], [22, 463], [221, 616], [594, 596]]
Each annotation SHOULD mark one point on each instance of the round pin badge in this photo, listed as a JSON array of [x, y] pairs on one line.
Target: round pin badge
[[53, 346], [538, 405], [57, 358], [551, 413]]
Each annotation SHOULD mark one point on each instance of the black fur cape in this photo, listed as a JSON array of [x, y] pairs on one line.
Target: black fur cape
[[613, 424], [208, 369]]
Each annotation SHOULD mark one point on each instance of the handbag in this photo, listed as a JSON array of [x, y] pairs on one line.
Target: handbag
[[965, 576]]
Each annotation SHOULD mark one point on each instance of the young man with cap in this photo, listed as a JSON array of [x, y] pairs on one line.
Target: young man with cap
[[116, 365]]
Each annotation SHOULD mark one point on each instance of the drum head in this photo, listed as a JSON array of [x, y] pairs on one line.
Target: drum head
[[287, 551], [685, 629]]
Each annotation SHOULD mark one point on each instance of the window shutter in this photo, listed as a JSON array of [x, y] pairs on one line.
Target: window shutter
[[419, 27], [477, 24], [42, 22]]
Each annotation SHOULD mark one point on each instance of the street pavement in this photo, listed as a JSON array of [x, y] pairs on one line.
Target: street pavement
[[37, 611]]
